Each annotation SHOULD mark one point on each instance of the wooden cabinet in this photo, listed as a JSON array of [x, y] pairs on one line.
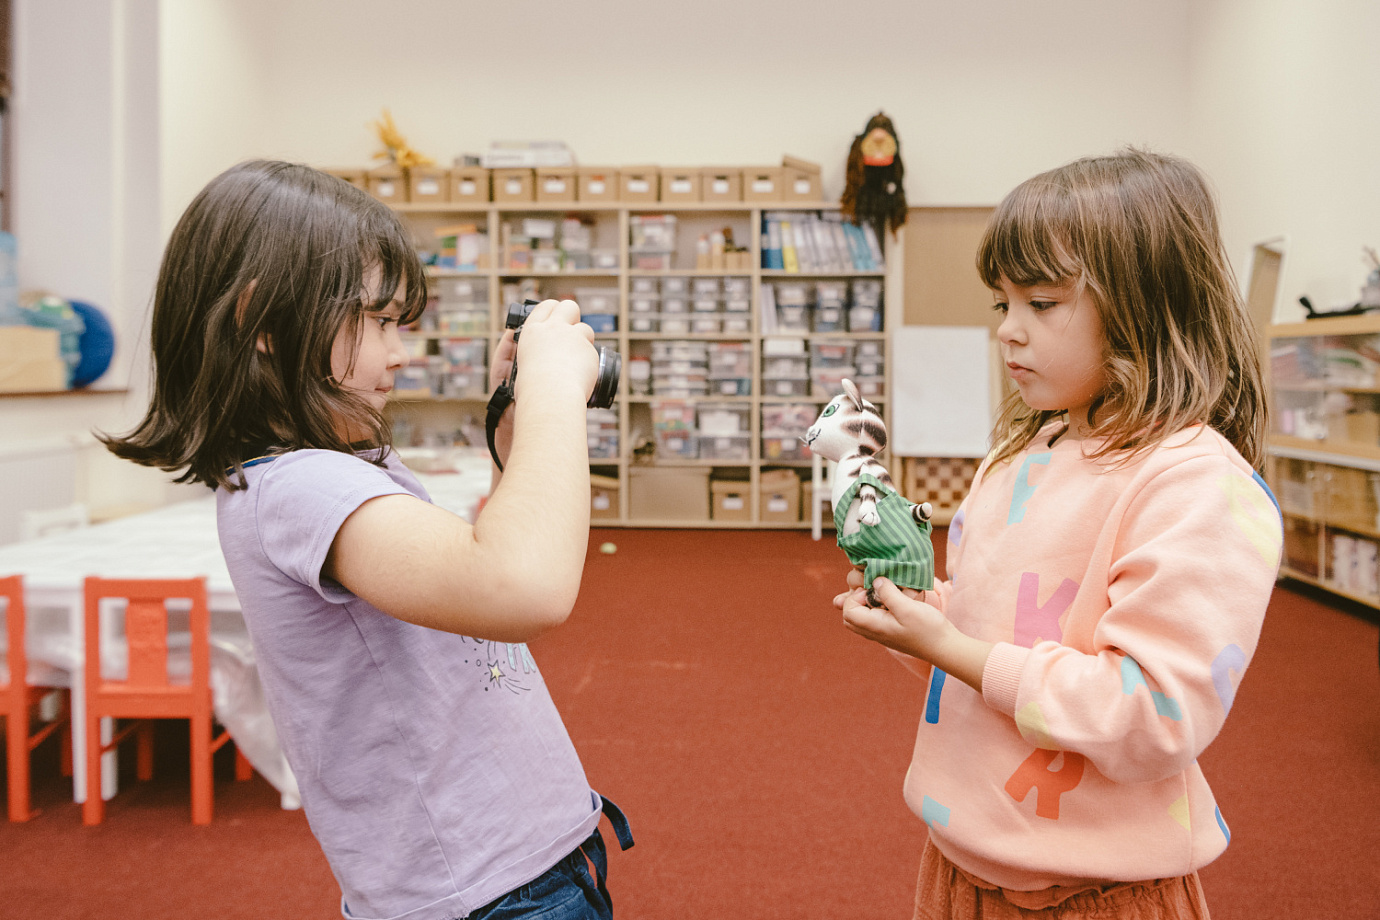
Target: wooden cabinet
[[1324, 451], [652, 450]]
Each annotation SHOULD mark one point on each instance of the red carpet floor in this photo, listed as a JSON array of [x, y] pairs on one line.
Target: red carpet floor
[[758, 749]]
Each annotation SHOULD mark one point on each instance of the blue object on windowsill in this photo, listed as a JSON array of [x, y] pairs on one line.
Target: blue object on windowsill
[[97, 344]]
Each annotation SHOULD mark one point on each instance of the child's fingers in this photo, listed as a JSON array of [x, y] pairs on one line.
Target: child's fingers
[[893, 593], [841, 599], [567, 311]]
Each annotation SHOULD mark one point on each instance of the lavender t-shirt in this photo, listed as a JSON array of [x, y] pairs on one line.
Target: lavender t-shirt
[[434, 768]]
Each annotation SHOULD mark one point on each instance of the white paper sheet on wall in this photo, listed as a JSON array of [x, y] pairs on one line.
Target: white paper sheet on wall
[[942, 400]]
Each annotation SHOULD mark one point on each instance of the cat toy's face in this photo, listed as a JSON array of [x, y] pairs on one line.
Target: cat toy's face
[[847, 422]]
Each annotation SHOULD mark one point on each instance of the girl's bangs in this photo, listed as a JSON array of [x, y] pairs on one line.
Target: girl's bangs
[[1027, 241], [398, 265]]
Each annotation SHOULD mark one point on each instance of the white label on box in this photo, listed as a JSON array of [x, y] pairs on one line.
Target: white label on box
[[733, 503], [777, 505], [553, 186], [467, 187], [681, 186], [763, 186], [783, 388], [428, 187], [639, 186], [385, 189], [600, 502], [802, 186], [596, 186], [720, 186], [513, 186]]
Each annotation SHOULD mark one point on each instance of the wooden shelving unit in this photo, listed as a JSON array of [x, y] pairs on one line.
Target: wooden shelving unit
[[611, 223], [1324, 452]]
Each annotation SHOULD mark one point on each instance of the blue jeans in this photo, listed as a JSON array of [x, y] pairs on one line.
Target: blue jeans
[[568, 890]]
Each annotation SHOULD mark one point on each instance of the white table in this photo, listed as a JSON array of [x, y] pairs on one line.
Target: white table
[[179, 541]]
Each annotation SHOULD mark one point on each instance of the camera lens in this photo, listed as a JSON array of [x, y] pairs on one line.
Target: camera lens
[[518, 313], [606, 385]]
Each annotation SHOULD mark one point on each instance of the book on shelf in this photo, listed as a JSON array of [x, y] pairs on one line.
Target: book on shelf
[[803, 241], [771, 244], [789, 260], [874, 246], [767, 301]]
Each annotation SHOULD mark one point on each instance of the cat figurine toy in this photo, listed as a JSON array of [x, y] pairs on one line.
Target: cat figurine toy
[[881, 531]]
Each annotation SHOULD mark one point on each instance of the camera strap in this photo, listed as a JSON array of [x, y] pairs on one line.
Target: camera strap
[[499, 402]]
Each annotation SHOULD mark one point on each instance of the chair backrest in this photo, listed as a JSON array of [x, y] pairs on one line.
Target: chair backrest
[[12, 593], [146, 631], [48, 521]]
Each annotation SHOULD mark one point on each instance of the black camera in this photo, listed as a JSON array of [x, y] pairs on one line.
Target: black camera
[[605, 385], [610, 362]]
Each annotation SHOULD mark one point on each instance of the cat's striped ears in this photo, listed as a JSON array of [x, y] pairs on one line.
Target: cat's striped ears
[[851, 389]]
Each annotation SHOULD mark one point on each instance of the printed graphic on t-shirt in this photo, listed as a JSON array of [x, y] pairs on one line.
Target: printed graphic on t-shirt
[[502, 665]]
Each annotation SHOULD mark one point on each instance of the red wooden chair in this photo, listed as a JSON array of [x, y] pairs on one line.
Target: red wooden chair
[[146, 692], [16, 700]]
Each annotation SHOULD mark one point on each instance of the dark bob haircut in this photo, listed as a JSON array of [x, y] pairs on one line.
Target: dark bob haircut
[[266, 266]]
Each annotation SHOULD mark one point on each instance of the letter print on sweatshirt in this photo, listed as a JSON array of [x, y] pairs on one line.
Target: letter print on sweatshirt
[[1255, 515], [1035, 773], [1035, 622], [1231, 660], [1133, 677], [1023, 490]]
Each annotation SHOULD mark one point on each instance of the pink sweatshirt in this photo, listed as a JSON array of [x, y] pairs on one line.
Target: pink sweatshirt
[[1125, 605]]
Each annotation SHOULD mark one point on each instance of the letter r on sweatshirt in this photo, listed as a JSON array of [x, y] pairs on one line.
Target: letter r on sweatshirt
[[1035, 773]]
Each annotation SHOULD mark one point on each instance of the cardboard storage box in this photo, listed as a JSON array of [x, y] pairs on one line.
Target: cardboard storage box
[[639, 184], [387, 184], [721, 184], [469, 184], [731, 500], [779, 497], [596, 184], [1351, 500], [682, 185], [762, 184], [514, 186], [603, 497], [555, 184], [800, 181], [668, 493], [428, 184], [358, 177], [30, 360]]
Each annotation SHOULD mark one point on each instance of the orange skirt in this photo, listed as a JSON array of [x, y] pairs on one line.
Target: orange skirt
[[946, 892]]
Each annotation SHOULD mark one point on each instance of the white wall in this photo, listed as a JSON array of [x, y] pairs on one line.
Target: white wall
[[983, 94], [1286, 118], [85, 210]]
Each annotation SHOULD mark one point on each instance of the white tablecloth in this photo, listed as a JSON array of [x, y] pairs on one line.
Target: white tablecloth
[[177, 541]]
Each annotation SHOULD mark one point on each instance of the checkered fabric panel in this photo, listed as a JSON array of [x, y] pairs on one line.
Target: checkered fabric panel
[[942, 481]]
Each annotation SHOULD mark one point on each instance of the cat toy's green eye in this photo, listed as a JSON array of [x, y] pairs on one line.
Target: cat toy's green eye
[[829, 410]]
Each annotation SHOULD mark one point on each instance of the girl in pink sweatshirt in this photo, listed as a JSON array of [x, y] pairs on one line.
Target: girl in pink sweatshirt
[[1108, 572]]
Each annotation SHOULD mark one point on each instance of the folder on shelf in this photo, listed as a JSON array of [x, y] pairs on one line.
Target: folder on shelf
[[788, 255], [771, 243], [874, 246]]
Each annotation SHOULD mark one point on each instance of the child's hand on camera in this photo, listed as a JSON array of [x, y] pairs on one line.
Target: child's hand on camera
[[555, 350]]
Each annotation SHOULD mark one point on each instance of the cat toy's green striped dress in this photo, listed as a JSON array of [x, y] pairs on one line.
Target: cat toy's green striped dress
[[898, 548]]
